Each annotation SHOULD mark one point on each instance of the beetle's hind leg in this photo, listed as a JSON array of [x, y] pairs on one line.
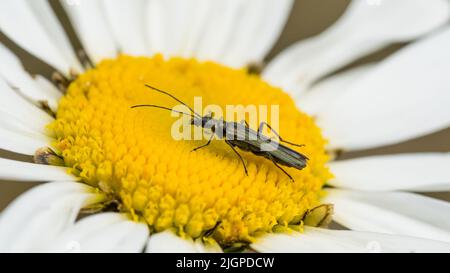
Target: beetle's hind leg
[[261, 126], [209, 142], [279, 167], [240, 157]]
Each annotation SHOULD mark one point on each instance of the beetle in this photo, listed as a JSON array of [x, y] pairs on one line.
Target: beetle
[[240, 135]]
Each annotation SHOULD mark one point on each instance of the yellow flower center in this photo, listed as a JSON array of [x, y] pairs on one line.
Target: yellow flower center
[[131, 155]]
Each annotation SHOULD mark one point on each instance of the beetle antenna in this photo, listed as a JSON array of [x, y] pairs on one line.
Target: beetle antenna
[[173, 97], [162, 107]]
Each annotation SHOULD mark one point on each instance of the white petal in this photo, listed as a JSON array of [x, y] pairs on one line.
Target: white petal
[[234, 32], [168, 242], [126, 19], [404, 97], [49, 21], [315, 240], [70, 239], [89, 22], [39, 215], [200, 12], [325, 92], [24, 171], [177, 27], [218, 28], [209, 247], [46, 86], [21, 143], [413, 172], [38, 32], [19, 125], [392, 212], [12, 71], [21, 109], [105, 232], [256, 31], [363, 29], [12, 124]]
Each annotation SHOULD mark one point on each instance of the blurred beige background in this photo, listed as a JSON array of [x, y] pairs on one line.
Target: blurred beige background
[[308, 18]]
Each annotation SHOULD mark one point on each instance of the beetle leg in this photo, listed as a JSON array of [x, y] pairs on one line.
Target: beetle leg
[[240, 157], [209, 142], [279, 167], [261, 126], [245, 122]]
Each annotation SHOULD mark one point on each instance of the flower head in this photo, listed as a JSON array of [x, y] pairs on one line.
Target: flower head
[[139, 187]]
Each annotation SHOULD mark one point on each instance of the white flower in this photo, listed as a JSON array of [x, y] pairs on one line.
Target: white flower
[[403, 97]]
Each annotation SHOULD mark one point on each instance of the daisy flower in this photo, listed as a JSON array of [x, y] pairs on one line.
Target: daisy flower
[[118, 182]]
